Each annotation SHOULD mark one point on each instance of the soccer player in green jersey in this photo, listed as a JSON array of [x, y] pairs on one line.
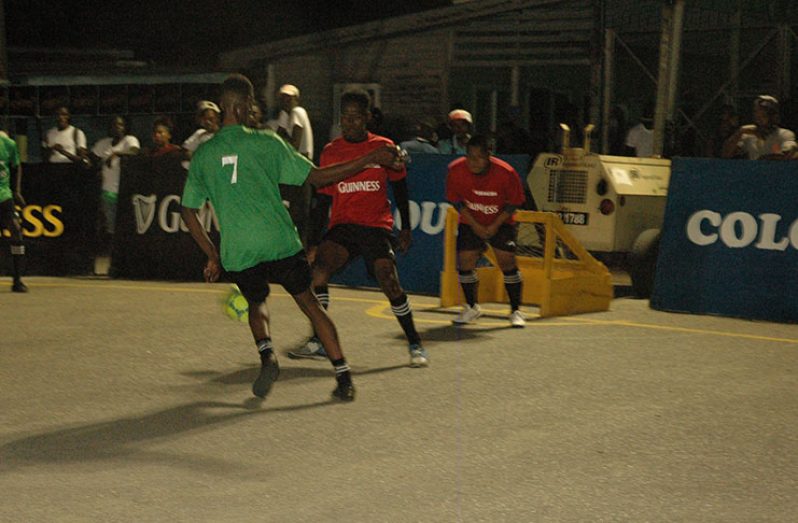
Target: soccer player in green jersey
[[239, 170], [9, 162]]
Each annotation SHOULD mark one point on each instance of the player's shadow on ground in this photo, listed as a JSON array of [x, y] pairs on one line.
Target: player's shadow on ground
[[248, 374], [453, 333], [124, 438]]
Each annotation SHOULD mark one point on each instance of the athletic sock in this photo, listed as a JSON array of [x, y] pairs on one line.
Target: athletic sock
[[401, 309], [513, 282], [18, 260], [264, 349], [342, 371], [470, 283], [322, 292]]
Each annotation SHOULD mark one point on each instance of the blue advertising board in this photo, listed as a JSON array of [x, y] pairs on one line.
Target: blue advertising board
[[419, 269], [730, 240]]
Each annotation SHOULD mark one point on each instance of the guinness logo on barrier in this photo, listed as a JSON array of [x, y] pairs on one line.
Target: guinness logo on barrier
[[144, 211]]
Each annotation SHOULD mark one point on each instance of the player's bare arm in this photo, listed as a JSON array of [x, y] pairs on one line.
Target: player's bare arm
[[213, 268], [322, 176], [400, 194]]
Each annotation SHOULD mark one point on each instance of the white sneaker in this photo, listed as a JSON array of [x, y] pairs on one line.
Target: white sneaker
[[468, 315], [418, 356], [517, 319], [312, 349]]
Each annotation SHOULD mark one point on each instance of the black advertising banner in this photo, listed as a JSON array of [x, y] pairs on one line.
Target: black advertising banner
[[59, 220], [151, 240]]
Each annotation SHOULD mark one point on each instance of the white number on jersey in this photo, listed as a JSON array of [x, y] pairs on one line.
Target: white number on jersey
[[231, 160]]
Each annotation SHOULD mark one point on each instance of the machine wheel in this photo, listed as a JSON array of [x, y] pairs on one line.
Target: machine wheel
[[643, 262]]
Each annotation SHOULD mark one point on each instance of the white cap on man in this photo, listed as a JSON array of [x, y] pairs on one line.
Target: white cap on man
[[204, 105], [460, 114], [290, 90]]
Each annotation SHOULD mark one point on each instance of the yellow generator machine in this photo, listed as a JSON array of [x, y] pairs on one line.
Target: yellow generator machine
[[614, 205]]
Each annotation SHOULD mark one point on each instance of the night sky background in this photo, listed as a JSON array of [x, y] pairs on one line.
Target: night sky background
[[183, 32]]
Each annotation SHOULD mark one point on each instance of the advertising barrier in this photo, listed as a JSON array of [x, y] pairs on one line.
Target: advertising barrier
[[151, 241], [730, 240], [59, 220]]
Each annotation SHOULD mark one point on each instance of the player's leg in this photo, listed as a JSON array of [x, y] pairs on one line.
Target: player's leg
[[330, 257], [504, 247], [469, 249], [9, 220], [295, 276], [388, 279], [254, 285]]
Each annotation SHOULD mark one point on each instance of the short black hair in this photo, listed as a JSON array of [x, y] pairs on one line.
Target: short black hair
[[480, 140], [164, 121], [357, 96], [239, 85]]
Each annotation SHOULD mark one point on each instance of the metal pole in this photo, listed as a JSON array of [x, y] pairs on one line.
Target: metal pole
[[663, 80], [609, 66], [676, 49]]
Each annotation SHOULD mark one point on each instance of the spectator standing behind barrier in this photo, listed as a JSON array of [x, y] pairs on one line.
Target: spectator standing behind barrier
[[162, 138], [9, 219], [238, 171], [460, 122], [727, 124], [424, 141], [293, 124], [764, 139], [486, 191], [208, 121], [255, 117], [65, 143], [361, 223], [640, 138], [108, 151]]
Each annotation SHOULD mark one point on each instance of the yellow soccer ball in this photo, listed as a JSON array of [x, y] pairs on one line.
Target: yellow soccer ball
[[235, 306]]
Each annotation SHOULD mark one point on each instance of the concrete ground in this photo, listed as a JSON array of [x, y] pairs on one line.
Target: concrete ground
[[130, 401]]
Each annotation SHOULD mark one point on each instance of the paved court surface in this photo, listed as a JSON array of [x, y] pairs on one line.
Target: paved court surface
[[129, 401]]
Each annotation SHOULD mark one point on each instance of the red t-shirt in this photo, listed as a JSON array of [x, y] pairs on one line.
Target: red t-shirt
[[363, 198], [484, 195]]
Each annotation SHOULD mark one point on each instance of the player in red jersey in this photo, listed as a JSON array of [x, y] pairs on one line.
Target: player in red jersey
[[361, 223], [486, 191]]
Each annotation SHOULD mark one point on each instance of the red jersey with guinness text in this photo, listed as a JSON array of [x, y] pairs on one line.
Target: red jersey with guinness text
[[484, 195], [363, 198]]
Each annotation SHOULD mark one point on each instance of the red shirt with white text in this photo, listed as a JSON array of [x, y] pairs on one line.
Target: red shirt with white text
[[484, 195]]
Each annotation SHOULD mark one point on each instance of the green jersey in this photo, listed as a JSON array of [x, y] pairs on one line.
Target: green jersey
[[239, 170], [9, 159]]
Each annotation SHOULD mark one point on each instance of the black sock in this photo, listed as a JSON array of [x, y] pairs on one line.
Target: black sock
[[342, 374], [322, 292], [470, 284], [513, 283], [401, 309], [265, 349], [18, 259]]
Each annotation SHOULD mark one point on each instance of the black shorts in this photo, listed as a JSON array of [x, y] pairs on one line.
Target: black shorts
[[503, 240], [372, 243], [293, 273]]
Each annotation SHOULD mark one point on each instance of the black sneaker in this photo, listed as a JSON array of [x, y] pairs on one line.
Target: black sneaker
[[268, 375], [18, 286], [344, 392]]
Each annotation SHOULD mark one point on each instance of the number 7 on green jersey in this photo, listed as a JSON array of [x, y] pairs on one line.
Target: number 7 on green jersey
[[231, 160]]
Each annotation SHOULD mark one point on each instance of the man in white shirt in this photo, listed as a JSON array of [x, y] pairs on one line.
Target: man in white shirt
[[764, 139], [208, 121], [293, 122], [640, 138], [65, 143], [108, 151], [293, 126]]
